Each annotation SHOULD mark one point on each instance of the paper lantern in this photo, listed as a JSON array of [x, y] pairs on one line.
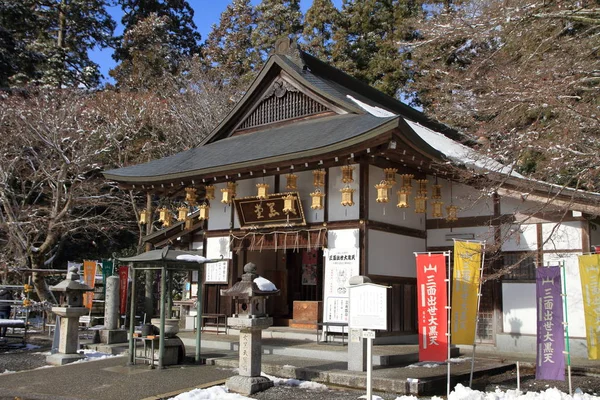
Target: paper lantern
[[407, 181], [422, 191], [347, 174], [203, 210], [291, 181], [382, 192], [420, 204], [319, 177], [144, 217], [289, 205], [451, 213], [403, 198], [317, 200], [437, 209], [347, 196], [210, 192], [390, 176], [191, 196], [263, 189], [182, 213], [436, 192]]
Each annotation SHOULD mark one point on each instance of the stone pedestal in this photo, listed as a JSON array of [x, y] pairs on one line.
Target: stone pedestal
[[111, 332], [173, 355], [68, 344], [357, 351]]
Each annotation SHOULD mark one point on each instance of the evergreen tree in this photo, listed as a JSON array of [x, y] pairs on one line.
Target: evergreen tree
[[182, 34], [47, 43], [275, 19], [319, 24], [228, 49]]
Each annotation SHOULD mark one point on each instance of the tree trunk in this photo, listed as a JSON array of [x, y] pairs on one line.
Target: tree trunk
[[41, 288]]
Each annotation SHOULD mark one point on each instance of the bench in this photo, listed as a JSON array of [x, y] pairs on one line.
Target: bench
[[218, 321], [323, 330], [13, 324]]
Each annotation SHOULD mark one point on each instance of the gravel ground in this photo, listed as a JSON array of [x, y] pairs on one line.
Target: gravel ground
[[13, 358]]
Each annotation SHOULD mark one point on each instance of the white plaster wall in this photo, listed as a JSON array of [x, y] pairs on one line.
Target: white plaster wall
[[471, 202], [519, 237], [518, 306], [220, 214], [217, 247], [574, 298], [566, 235], [392, 255], [437, 237], [388, 212], [337, 212], [247, 188], [305, 188], [343, 239], [510, 206]]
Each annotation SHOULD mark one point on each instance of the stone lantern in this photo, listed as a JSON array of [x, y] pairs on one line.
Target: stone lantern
[[70, 309], [250, 318]]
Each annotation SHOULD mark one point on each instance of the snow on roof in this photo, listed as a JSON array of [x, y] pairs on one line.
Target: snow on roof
[[265, 285], [192, 257], [373, 110]]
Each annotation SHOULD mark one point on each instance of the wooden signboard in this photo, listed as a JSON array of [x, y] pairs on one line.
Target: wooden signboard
[[253, 212]]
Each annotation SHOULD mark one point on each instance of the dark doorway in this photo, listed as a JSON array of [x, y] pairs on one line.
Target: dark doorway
[[305, 276]]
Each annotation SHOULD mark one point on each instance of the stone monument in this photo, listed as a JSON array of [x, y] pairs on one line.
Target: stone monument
[[70, 310], [250, 318], [112, 332]]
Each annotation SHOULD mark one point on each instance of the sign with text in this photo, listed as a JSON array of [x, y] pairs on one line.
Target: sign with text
[[123, 282], [550, 331], [340, 265], [589, 270], [432, 301], [253, 212], [216, 272], [368, 306], [89, 278]]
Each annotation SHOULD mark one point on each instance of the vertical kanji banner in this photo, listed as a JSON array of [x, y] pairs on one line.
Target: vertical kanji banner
[[465, 287], [589, 270], [432, 301], [550, 362], [123, 279], [107, 270], [89, 278]]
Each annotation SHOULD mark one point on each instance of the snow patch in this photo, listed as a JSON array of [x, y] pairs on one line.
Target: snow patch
[[192, 257], [373, 110], [265, 285]]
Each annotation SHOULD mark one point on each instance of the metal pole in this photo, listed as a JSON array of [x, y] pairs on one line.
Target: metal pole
[[131, 315], [169, 295], [369, 368], [198, 316], [477, 314], [448, 337], [518, 377], [161, 337], [567, 344]]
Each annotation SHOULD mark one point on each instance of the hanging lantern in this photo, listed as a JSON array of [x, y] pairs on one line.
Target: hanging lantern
[[407, 181], [188, 223], [263, 188], [228, 193], [390, 175], [403, 198], [191, 196], [317, 200], [347, 174], [210, 192], [232, 186], [203, 211], [420, 204], [347, 196], [382, 192], [288, 204], [319, 177], [291, 181], [436, 192], [165, 216], [452, 213], [437, 209], [182, 213], [144, 217], [422, 187]]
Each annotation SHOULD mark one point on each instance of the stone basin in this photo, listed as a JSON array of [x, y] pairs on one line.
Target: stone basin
[[171, 326]]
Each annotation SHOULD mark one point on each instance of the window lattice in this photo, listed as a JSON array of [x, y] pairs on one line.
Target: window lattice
[[518, 270], [276, 108]]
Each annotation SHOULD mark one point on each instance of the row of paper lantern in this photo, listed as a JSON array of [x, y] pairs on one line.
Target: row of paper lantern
[[317, 197]]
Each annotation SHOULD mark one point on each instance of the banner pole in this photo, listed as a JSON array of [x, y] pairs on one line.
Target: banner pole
[[567, 344], [448, 307], [477, 314]]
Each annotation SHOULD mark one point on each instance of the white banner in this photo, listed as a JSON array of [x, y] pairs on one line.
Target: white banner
[[340, 266]]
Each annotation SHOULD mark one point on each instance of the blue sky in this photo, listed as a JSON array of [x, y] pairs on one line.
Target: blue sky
[[206, 13]]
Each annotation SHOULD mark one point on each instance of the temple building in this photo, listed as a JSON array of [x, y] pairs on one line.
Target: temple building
[[315, 177]]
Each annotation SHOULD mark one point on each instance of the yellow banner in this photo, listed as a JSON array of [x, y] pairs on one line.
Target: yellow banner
[[465, 286], [589, 270], [89, 278]]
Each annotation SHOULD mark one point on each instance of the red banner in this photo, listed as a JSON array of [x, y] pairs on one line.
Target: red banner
[[432, 313], [123, 277]]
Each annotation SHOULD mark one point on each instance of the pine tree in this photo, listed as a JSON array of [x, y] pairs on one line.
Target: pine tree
[[182, 34], [48, 43], [228, 50], [275, 19], [319, 24]]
